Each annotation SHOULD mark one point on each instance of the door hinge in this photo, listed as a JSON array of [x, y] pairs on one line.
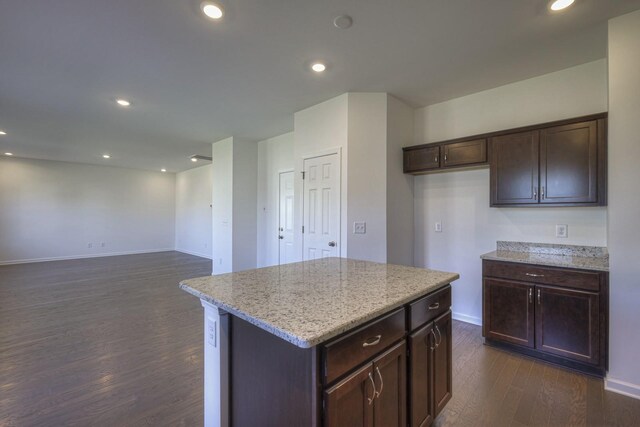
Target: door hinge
[[303, 229], [303, 174]]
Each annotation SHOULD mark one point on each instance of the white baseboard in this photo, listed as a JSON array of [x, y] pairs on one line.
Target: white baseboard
[[467, 319], [622, 387], [201, 255], [69, 257]]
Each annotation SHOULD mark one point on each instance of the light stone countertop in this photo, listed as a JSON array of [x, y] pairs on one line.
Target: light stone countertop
[[567, 256], [308, 303]]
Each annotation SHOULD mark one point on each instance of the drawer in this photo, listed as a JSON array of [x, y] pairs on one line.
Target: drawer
[[587, 280], [428, 308], [349, 351]]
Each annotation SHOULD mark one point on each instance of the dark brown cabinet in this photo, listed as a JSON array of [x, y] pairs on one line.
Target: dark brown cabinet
[[558, 165], [561, 163], [567, 323], [422, 159], [464, 153], [350, 402], [430, 385], [390, 405], [432, 157], [514, 169], [442, 360], [569, 163], [557, 314], [509, 312]]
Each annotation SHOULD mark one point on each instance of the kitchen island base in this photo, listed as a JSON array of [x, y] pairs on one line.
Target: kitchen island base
[[388, 372]]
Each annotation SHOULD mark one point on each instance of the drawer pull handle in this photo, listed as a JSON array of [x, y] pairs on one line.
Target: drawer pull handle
[[381, 382], [372, 341], [440, 337], [434, 340], [373, 385], [434, 306], [534, 275]]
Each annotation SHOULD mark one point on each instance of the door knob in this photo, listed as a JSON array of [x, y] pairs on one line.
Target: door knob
[[280, 237], [332, 244]]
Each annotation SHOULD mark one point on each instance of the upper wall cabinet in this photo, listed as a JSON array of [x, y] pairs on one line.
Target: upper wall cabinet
[[426, 158], [562, 163]]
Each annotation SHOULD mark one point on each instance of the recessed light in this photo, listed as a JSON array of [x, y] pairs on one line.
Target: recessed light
[[212, 10], [318, 67], [123, 102], [343, 22], [2, 132], [163, 170], [106, 156], [8, 154], [193, 159], [560, 4]]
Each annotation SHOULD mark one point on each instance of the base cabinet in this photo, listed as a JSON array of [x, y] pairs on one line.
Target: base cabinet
[[562, 320], [430, 385], [374, 395], [350, 402]]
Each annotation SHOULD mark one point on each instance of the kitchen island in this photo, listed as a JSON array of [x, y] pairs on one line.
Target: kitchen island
[[326, 342]]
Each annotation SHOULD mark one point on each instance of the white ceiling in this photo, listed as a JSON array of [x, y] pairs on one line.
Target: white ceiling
[[193, 81]]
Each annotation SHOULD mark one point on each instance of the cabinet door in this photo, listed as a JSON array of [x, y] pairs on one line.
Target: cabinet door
[[508, 312], [421, 346], [569, 163], [514, 169], [442, 363], [422, 159], [464, 153], [390, 373], [567, 323], [350, 402]]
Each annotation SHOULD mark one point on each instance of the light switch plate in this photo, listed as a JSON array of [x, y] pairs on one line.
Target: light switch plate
[[438, 227], [562, 230], [359, 227]]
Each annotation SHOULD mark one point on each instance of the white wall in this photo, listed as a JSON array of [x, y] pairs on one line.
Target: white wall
[[461, 199], [193, 211], [366, 175], [53, 210], [318, 129], [400, 200], [624, 204], [222, 209], [275, 155], [234, 197], [245, 196]]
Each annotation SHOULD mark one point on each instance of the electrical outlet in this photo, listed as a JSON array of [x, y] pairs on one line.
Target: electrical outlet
[[359, 227], [562, 230], [89, 245], [103, 244], [438, 227]]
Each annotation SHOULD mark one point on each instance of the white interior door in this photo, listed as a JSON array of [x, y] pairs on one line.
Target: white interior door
[[321, 236], [285, 227]]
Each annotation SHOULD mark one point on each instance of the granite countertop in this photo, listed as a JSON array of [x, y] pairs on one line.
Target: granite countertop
[[307, 303], [567, 256]]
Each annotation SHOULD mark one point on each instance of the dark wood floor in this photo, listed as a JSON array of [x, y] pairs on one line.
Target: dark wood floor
[[103, 341], [114, 342]]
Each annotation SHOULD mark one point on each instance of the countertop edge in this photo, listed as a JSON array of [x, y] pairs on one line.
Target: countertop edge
[[489, 256], [314, 341]]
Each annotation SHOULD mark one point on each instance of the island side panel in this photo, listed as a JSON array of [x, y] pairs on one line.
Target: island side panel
[[216, 366], [273, 382]]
